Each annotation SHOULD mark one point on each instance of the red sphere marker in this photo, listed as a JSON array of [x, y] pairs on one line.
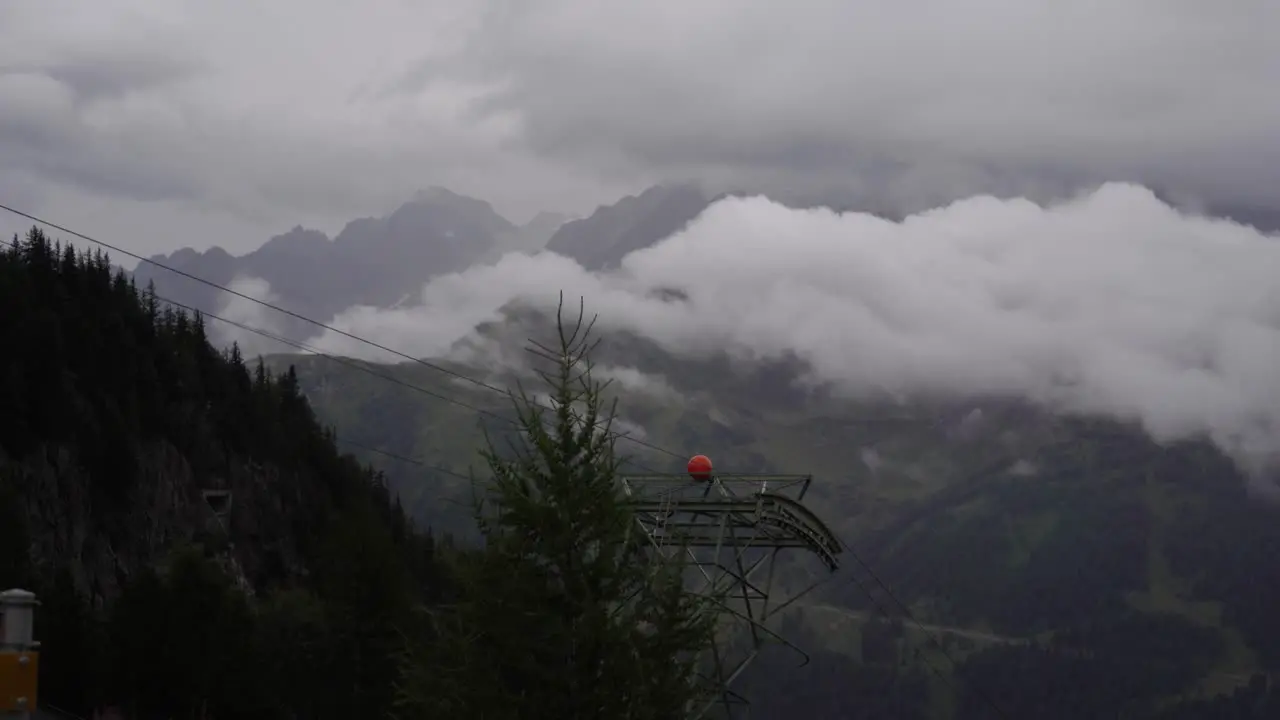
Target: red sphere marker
[[700, 468]]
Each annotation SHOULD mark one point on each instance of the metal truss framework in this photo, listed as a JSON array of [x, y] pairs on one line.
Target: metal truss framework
[[733, 528]]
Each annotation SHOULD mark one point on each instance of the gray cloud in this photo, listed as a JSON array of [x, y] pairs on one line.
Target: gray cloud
[[235, 116], [213, 118], [250, 314], [1113, 304], [918, 101]]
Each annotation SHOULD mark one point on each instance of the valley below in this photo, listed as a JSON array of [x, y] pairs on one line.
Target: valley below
[[1054, 561]]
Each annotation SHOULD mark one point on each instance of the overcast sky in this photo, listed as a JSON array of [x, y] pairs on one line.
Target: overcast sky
[[163, 123]]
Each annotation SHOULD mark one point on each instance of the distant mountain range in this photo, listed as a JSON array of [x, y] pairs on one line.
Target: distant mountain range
[[373, 261], [383, 262]]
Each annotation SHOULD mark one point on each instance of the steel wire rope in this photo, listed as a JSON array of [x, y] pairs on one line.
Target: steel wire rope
[[905, 611], [458, 375], [365, 368], [272, 306]]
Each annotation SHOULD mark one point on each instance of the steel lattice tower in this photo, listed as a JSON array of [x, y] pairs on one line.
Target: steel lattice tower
[[733, 528]]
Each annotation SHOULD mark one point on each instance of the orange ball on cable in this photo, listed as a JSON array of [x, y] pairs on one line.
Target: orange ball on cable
[[700, 468]]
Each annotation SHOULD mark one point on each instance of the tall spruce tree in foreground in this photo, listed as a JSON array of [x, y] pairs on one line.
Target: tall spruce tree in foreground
[[563, 614]]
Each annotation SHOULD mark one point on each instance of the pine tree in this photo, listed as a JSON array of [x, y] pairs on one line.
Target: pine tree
[[562, 614]]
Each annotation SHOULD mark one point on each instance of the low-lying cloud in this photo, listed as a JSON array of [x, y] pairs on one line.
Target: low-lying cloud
[[637, 381], [1113, 303], [248, 314]]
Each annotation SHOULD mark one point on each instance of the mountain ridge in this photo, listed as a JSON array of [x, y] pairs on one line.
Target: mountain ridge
[[989, 515], [374, 261], [600, 240]]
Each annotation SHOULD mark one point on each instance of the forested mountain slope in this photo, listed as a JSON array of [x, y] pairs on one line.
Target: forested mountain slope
[[1071, 567], [117, 417]]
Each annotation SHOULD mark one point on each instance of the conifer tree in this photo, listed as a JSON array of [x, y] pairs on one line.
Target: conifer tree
[[563, 614]]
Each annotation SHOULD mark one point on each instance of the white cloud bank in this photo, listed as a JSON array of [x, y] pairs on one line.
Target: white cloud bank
[[250, 314], [1114, 303]]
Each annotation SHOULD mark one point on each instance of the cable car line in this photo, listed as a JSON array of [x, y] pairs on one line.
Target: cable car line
[[293, 314], [906, 611], [364, 368]]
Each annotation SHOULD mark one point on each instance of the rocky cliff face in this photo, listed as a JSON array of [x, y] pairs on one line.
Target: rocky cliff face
[[600, 241], [101, 548]]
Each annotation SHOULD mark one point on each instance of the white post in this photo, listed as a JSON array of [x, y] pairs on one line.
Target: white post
[[17, 626], [17, 630]]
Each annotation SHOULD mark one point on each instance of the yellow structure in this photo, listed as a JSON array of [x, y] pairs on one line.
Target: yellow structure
[[19, 654], [18, 673]]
